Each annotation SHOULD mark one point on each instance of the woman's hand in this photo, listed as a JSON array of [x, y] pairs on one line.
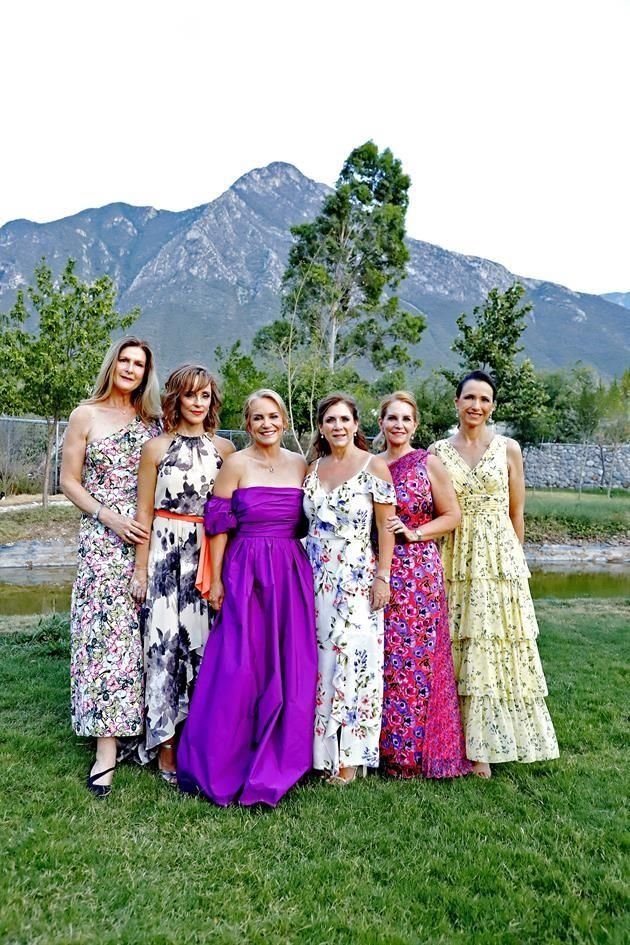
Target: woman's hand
[[139, 585], [127, 528], [379, 594], [216, 595], [394, 525]]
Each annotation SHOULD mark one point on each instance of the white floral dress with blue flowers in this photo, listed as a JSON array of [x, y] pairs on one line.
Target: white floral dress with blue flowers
[[349, 633]]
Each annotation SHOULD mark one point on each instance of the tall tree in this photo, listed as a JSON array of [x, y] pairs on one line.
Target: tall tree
[[239, 377], [343, 268], [46, 371], [491, 343]]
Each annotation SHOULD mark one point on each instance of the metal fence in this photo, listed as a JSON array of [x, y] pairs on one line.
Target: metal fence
[[23, 453]]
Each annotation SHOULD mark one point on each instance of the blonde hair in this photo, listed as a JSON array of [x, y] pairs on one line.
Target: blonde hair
[[405, 397], [402, 395], [190, 377], [271, 395], [146, 397]]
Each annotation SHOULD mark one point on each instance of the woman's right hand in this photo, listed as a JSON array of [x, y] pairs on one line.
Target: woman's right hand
[[139, 585], [216, 595], [127, 528]]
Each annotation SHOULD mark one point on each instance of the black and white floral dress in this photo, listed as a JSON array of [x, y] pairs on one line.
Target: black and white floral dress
[[176, 617]]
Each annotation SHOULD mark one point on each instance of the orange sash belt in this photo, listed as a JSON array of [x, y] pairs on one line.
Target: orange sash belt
[[204, 573]]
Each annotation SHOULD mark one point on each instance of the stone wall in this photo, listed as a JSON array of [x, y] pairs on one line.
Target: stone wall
[[564, 464]]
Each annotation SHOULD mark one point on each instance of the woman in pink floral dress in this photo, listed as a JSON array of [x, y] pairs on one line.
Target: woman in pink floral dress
[[101, 455], [422, 732]]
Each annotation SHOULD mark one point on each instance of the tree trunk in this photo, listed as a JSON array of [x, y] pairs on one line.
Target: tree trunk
[[50, 427]]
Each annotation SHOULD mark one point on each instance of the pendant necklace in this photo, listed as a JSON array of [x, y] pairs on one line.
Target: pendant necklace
[[264, 463]]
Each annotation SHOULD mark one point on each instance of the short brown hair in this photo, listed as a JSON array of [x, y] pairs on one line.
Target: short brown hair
[[184, 379]]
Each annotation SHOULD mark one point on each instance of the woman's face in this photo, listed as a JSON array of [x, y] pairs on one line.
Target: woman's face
[[194, 405], [129, 369], [338, 426], [475, 403], [398, 425], [266, 423]]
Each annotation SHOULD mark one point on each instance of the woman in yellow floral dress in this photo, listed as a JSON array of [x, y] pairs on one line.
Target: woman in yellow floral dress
[[492, 621]]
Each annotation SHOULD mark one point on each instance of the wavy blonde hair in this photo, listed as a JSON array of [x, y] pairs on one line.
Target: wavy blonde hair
[[190, 378], [146, 397]]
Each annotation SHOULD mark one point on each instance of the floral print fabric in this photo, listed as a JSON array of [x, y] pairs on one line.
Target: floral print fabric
[[105, 638], [422, 731], [177, 618], [493, 626], [349, 632]]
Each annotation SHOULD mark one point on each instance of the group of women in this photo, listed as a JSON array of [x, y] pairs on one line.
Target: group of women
[[244, 618]]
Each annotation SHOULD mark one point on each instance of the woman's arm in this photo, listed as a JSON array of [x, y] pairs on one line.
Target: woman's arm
[[516, 480], [73, 458], [72, 461], [380, 586], [152, 453], [445, 505], [228, 479]]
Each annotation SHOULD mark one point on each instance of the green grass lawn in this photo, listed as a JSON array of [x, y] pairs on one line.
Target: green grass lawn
[[550, 515], [61, 521], [536, 855], [559, 515]]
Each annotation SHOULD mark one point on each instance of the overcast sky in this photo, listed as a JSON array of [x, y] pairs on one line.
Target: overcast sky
[[510, 116]]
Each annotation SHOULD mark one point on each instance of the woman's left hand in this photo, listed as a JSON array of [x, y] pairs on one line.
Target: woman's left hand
[[394, 525], [379, 594]]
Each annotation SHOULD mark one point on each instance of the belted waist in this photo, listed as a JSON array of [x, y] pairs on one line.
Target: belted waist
[[166, 513], [483, 503], [269, 530]]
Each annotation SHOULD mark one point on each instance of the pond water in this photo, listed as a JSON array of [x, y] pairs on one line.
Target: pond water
[[47, 590]]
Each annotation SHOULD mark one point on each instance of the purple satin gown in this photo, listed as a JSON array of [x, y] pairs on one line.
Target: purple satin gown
[[249, 733]]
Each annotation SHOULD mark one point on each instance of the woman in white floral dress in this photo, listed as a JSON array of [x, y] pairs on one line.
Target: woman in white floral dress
[[493, 626], [345, 492], [101, 455]]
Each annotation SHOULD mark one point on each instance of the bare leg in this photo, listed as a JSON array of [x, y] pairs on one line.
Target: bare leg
[[105, 758]]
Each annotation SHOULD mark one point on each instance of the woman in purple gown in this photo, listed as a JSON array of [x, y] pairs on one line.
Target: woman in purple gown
[[249, 733]]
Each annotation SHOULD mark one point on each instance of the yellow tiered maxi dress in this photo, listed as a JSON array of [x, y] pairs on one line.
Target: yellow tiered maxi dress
[[492, 622]]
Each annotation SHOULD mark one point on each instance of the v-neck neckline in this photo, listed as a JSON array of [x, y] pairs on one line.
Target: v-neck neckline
[[481, 458], [328, 492]]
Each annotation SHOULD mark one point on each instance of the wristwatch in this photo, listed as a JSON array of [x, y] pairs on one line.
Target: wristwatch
[[97, 512], [417, 535]]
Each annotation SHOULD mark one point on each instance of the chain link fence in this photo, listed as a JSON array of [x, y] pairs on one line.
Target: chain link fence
[[23, 454]]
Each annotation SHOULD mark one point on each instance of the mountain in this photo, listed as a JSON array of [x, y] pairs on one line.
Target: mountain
[[211, 275], [619, 298]]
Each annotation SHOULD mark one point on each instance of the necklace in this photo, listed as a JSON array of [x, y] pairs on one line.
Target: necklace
[[263, 462]]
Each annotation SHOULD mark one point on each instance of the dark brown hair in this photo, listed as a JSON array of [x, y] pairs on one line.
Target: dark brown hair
[[319, 445], [184, 379], [477, 376]]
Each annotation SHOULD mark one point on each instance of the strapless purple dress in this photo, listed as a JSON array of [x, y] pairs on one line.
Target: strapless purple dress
[[249, 734]]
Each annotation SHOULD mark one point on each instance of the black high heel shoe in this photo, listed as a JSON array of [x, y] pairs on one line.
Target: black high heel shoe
[[99, 790]]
